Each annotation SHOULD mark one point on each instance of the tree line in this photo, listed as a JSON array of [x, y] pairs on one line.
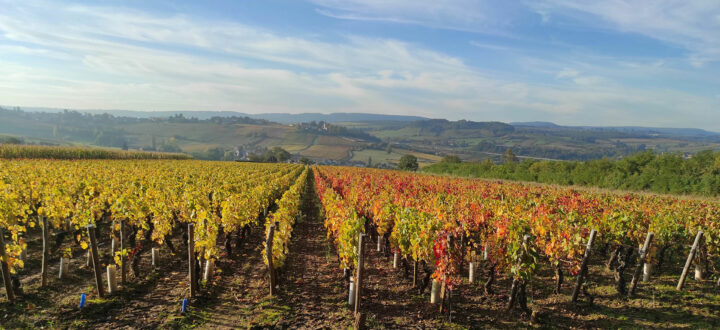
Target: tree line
[[668, 173]]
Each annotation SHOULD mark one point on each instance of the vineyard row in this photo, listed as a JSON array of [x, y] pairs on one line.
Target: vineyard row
[[445, 226], [139, 206]]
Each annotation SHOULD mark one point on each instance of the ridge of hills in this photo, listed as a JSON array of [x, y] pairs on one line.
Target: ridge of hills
[[342, 138]]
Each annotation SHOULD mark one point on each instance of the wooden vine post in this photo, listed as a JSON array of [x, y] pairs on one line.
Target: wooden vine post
[[5, 269], [113, 240], [642, 255], [690, 258], [379, 243], [45, 253], [583, 266], [96, 261], [359, 318], [123, 266], [191, 259], [269, 255]]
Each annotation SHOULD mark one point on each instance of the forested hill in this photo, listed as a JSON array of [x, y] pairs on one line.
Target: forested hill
[[479, 140]]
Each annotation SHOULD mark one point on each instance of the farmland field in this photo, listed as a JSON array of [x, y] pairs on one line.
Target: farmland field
[[326, 152], [382, 156], [526, 246]]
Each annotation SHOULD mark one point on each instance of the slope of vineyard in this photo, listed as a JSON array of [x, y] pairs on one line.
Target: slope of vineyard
[[443, 223], [425, 209], [151, 198], [436, 225]]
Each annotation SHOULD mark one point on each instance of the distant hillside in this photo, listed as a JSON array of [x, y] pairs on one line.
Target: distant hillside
[[282, 118], [286, 118], [213, 138], [655, 131], [459, 128], [630, 130], [536, 124], [543, 140], [344, 138]]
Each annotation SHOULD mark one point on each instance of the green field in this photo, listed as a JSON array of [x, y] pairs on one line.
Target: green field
[[382, 156]]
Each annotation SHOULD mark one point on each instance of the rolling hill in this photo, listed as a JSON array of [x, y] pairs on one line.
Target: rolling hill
[[341, 138]]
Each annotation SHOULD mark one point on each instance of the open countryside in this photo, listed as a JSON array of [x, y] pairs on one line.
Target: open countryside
[[320, 164]]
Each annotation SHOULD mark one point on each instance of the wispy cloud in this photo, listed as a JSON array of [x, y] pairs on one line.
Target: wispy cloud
[[489, 46], [568, 73], [115, 57], [687, 24], [480, 16]]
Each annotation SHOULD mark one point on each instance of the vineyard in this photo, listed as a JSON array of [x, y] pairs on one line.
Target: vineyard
[[446, 226], [277, 245], [10, 151]]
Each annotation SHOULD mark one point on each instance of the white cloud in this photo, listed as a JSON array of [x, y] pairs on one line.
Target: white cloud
[[544, 16], [125, 59], [30, 51], [567, 73], [579, 79], [589, 80], [489, 46], [482, 16], [687, 24]]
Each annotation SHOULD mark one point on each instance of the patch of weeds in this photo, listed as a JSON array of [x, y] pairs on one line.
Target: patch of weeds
[[77, 324], [371, 322], [193, 318], [70, 300], [99, 308], [238, 281], [605, 290], [399, 320], [152, 276], [418, 297], [19, 323], [450, 325], [269, 312]]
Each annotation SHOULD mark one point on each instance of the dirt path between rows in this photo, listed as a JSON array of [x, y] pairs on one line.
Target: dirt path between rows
[[311, 290], [315, 287]]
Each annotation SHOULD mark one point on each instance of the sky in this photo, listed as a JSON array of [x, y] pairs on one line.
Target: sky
[[572, 62]]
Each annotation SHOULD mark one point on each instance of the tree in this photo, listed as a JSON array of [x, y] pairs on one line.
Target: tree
[[269, 157], [305, 161], [11, 140], [280, 154], [170, 147], [389, 148], [451, 159], [253, 157], [408, 163], [369, 162], [509, 157]]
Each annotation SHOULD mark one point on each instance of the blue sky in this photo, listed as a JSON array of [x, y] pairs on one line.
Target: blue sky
[[613, 62]]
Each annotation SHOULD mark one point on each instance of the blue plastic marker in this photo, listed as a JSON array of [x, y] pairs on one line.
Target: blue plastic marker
[[184, 306], [82, 301]]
